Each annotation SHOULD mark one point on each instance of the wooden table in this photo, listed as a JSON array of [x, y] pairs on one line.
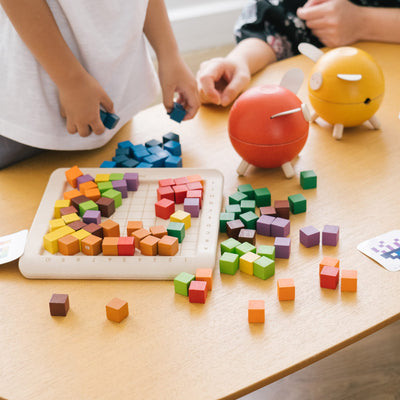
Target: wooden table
[[171, 349]]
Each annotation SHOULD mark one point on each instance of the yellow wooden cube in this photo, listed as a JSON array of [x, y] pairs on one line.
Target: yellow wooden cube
[[181, 216], [58, 205], [70, 218], [55, 224], [50, 240], [102, 178], [80, 235], [246, 262]]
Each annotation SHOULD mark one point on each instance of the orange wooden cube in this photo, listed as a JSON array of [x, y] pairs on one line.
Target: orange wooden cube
[[204, 274], [91, 245], [117, 310], [348, 280], [68, 245], [85, 186], [139, 235], [148, 245], [168, 246], [133, 226], [110, 228], [195, 178], [286, 289], [256, 311], [158, 231], [93, 194], [72, 174], [72, 194], [329, 262], [110, 246]]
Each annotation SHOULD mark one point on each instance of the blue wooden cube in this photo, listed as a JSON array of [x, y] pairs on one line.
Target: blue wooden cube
[[177, 113], [170, 136], [173, 162], [173, 147], [109, 120]]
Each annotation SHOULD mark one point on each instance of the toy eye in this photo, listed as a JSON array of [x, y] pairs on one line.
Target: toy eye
[[315, 81]]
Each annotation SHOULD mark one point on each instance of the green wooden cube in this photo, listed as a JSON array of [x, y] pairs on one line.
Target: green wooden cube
[[264, 268], [237, 197], [116, 176], [308, 179], [266, 251], [176, 229], [249, 219], [248, 205], [229, 263], [247, 189], [262, 197], [182, 283], [244, 248], [225, 217], [229, 245], [116, 195], [233, 208], [87, 205], [104, 186], [297, 203]]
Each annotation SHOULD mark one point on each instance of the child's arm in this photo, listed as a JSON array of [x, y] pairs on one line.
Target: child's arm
[[80, 94], [221, 80], [174, 74], [340, 22]]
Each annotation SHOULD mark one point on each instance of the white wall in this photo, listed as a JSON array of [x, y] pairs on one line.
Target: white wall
[[203, 24]]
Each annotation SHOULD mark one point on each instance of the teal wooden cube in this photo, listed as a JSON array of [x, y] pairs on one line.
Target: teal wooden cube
[[244, 248], [225, 217], [86, 206], [237, 197], [308, 179], [247, 189], [176, 229], [116, 195], [248, 205], [229, 263], [229, 245], [182, 283], [233, 208], [297, 203], [264, 268], [249, 219], [262, 197], [266, 251]]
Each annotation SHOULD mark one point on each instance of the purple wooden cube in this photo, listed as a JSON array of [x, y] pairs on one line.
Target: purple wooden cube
[[122, 187], [282, 247], [330, 235], [92, 217], [132, 181], [309, 236], [84, 178], [280, 227], [192, 206], [263, 225]]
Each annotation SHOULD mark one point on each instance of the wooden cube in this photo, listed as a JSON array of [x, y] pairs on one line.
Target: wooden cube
[[348, 281], [158, 231], [309, 236], [110, 228], [70, 194], [180, 192], [247, 235], [182, 282], [330, 235], [148, 245], [91, 245], [110, 246], [264, 268], [58, 205], [229, 263], [204, 274], [282, 208], [117, 310], [68, 245], [286, 289], [329, 277], [139, 235], [50, 240], [329, 261], [126, 246], [80, 235], [181, 216], [168, 246], [246, 262], [106, 206], [133, 226], [256, 311], [165, 192], [55, 224], [164, 208], [59, 305], [198, 292], [72, 174]]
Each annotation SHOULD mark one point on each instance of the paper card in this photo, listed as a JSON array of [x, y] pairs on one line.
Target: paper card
[[12, 246], [384, 249]]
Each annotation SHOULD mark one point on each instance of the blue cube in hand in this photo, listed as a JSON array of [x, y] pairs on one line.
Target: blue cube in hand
[[109, 120], [177, 113]]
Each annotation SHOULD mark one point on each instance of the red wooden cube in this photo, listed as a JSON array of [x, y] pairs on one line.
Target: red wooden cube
[[126, 246], [329, 277], [198, 292], [164, 208], [165, 192], [180, 193]]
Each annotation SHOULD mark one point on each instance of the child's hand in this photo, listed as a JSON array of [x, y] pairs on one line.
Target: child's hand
[[221, 80], [334, 22], [80, 101], [175, 77]]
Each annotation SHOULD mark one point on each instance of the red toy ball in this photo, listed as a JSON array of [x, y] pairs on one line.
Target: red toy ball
[[264, 141]]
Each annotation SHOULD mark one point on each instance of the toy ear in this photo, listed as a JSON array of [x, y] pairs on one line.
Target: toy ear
[[310, 51], [316, 80], [292, 80]]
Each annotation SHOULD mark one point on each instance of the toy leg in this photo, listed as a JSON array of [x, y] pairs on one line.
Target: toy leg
[[313, 116], [306, 113], [338, 131], [375, 122], [242, 168], [288, 170]]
